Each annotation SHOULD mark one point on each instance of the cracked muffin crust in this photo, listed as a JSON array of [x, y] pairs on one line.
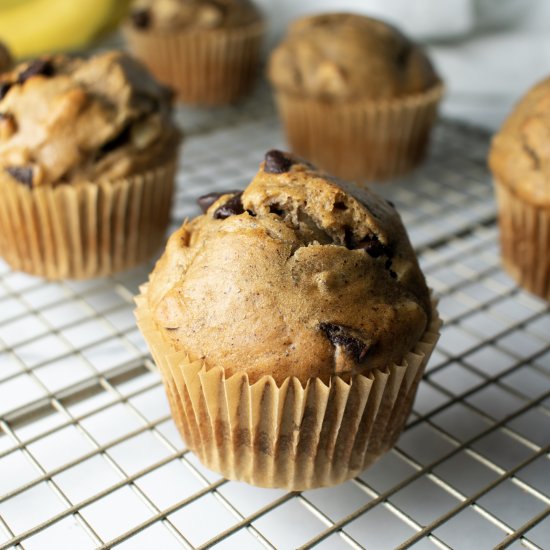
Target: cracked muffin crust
[[341, 56], [166, 15], [299, 275], [67, 120], [520, 154]]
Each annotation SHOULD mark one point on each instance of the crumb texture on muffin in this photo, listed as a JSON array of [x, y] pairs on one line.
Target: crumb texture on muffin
[[67, 120], [344, 56], [192, 14], [520, 151], [299, 275]]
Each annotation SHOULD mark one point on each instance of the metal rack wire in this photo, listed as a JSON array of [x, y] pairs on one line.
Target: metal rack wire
[[89, 457]]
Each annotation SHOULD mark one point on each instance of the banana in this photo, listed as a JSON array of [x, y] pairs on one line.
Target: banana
[[31, 27]]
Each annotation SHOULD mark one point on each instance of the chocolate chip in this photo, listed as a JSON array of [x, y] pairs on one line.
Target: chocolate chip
[[388, 265], [37, 67], [276, 209], [339, 205], [276, 162], [370, 244], [206, 201], [4, 88], [22, 174], [340, 336], [232, 207], [141, 18], [122, 138]]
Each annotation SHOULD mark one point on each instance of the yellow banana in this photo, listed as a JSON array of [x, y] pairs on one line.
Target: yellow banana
[[31, 27]]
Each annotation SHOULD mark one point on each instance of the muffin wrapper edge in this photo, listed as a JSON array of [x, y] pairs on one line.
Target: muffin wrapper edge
[[524, 240], [290, 437], [361, 140], [84, 230], [213, 67]]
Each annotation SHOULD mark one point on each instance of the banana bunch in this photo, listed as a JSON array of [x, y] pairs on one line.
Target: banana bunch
[[31, 27]]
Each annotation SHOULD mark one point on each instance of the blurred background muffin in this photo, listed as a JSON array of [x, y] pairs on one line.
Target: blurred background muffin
[[87, 159], [355, 95], [520, 162], [207, 50]]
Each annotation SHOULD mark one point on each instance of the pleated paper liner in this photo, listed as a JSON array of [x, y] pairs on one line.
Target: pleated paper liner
[[205, 67], [291, 437], [85, 230], [361, 140], [524, 241]]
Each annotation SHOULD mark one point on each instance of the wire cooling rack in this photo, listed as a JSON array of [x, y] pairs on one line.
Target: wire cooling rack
[[89, 457]]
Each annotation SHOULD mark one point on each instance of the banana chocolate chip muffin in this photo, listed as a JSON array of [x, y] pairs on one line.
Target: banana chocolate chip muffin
[[520, 162], [301, 289], [208, 50], [355, 95], [87, 159]]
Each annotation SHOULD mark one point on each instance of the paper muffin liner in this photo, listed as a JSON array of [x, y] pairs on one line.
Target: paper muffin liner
[[205, 67], [361, 140], [286, 436], [79, 231], [524, 241]]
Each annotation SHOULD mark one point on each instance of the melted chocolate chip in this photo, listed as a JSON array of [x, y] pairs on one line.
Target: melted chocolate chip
[[22, 174], [388, 265], [276, 209], [340, 336], [374, 248], [4, 88], [232, 207], [339, 205], [37, 67], [206, 201], [122, 138], [141, 18], [370, 244], [276, 162]]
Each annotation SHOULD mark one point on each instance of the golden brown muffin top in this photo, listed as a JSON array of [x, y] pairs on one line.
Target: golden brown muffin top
[[346, 56], [520, 151], [166, 15], [66, 120], [5, 58], [300, 275]]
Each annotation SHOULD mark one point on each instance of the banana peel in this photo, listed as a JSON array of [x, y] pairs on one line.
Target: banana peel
[[32, 27]]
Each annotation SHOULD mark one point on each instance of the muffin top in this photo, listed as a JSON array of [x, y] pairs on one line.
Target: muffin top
[[299, 275], [5, 58], [66, 120], [520, 151], [192, 14], [345, 56]]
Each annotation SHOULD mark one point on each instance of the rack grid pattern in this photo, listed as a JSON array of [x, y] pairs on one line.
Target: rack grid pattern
[[89, 457]]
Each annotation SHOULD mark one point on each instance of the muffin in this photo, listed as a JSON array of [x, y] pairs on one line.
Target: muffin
[[207, 50], [87, 161], [291, 325], [355, 95], [520, 163]]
